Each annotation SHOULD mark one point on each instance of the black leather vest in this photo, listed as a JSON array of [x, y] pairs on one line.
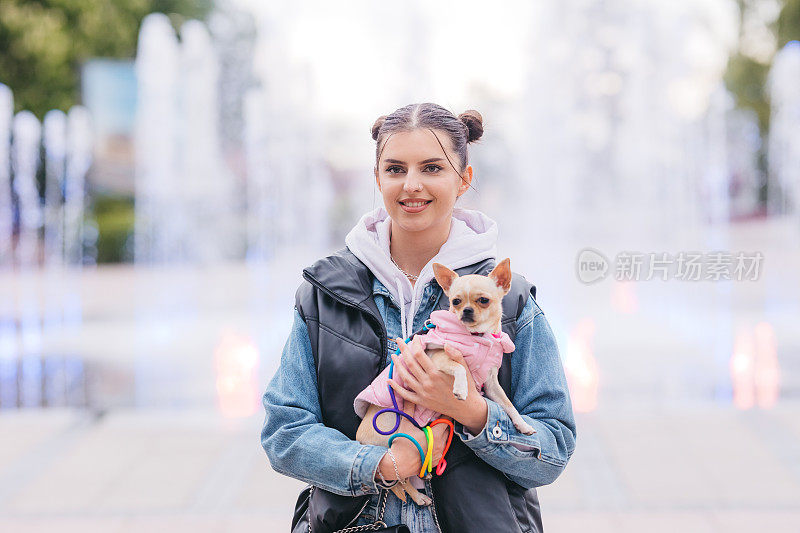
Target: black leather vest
[[349, 343]]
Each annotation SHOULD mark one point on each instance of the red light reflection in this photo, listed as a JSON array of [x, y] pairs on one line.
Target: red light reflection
[[754, 367], [768, 372], [580, 367], [236, 369]]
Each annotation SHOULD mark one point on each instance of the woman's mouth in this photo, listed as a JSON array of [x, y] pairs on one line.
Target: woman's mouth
[[414, 207]]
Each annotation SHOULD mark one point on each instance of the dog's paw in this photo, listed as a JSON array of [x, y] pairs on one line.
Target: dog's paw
[[460, 390], [524, 427], [422, 500]]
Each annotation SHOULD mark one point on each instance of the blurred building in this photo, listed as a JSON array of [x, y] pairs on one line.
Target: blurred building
[[108, 90]]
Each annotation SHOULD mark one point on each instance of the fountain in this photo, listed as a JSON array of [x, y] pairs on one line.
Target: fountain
[[186, 208], [614, 135], [25, 164], [55, 145], [6, 205], [159, 218], [8, 326], [40, 234], [208, 186], [784, 145], [79, 159], [261, 204]]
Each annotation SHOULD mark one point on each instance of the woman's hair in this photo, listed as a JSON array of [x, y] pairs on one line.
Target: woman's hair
[[465, 128]]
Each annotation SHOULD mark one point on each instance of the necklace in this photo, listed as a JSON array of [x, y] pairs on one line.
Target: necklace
[[412, 277]]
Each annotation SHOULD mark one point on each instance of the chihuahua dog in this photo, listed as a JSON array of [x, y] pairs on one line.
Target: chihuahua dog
[[472, 324]]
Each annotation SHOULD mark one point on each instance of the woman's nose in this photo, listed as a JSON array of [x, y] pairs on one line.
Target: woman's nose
[[413, 183]]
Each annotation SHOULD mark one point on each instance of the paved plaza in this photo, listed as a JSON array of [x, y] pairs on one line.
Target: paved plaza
[[634, 470]]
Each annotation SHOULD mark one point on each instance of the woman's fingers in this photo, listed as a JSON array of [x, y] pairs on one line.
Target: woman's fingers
[[408, 379], [409, 360], [403, 393], [415, 358], [422, 357]]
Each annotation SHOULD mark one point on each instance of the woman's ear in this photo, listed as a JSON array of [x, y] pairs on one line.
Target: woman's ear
[[377, 179], [466, 180]]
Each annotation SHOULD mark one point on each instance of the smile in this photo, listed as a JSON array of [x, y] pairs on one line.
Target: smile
[[414, 207]]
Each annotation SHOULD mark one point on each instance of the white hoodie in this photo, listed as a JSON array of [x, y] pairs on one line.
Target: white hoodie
[[472, 238]]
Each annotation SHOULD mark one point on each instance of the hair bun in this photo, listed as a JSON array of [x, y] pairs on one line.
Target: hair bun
[[474, 122], [376, 128]]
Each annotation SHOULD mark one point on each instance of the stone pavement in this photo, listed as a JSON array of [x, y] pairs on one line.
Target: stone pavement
[[704, 469]]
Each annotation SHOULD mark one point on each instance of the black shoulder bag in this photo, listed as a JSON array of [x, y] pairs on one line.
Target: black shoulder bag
[[311, 497]]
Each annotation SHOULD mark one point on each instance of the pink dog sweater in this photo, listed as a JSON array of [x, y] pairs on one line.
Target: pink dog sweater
[[481, 352]]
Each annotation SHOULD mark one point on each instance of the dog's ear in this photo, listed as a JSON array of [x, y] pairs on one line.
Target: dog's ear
[[501, 274], [444, 276]]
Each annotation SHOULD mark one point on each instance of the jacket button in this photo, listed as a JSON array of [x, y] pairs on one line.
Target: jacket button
[[497, 432]]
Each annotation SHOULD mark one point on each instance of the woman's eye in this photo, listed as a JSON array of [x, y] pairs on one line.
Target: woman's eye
[[435, 168], [483, 300], [456, 301], [394, 169]]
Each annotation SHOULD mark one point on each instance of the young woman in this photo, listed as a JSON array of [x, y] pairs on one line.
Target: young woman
[[350, 310]]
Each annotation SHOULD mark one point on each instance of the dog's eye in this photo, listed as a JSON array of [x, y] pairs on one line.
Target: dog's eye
[[484, 300], [457, 301]]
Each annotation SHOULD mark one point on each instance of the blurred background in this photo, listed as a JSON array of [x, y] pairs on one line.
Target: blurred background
[[168, 167]]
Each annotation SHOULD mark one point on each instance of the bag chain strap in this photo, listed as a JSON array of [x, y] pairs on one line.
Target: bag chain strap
[[379, 523]]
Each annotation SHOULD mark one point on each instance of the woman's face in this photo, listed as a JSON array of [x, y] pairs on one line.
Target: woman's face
[[413, 170]]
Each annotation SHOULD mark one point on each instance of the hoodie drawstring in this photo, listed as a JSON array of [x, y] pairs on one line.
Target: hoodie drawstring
[[402, 302]]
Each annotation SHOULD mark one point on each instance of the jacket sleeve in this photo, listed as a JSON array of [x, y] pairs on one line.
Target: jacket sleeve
[[296, 441], [539, 392]]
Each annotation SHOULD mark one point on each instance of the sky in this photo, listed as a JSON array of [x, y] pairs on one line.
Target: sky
[[358, 52]]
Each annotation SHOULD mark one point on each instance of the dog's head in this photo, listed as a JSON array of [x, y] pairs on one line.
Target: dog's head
[[475, 299]]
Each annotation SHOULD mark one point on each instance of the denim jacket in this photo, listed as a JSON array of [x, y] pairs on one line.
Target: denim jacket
[[299, 445]]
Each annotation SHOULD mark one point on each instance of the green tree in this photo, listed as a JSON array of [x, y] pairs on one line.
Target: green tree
[[43, 42], [788, 24], [746, 76]]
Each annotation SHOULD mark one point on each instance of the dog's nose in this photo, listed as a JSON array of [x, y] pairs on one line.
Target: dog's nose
[[467, 311]]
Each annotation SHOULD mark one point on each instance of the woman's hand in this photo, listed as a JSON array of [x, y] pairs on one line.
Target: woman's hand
[[427, 386], [409, 462], [407, 457]]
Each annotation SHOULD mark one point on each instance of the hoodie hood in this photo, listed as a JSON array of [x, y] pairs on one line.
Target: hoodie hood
[[472, 238]]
